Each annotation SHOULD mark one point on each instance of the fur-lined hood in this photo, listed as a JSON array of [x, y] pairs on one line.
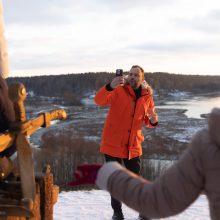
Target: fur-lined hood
[[148, 88]]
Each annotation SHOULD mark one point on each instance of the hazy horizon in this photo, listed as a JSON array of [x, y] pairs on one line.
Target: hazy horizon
[[58, 74]]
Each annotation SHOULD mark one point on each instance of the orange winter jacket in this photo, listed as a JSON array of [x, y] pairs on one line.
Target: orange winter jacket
[[122, 134]]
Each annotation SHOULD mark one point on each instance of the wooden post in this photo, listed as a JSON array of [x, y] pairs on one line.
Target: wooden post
[[17, 94], [46, 188]]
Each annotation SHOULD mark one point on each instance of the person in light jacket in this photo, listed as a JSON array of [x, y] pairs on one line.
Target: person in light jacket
[[197, 171], [7, 114], [131, 105], [4, 66]]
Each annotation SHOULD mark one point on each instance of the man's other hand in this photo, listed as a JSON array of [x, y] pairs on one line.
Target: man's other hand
[[154, 118]]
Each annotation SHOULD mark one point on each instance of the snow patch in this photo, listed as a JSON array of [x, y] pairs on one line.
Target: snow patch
[[95, 205], [89, 99]]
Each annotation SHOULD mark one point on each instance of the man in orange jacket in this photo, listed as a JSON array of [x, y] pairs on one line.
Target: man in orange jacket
[[131, 104]]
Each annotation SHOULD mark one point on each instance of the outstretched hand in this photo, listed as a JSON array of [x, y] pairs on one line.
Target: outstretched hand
[[154, 118]]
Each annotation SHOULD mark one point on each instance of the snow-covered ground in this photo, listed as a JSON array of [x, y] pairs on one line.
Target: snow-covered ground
[[95, 205]]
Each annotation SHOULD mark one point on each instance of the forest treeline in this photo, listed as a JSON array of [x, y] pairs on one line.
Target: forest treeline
[[76, 85]]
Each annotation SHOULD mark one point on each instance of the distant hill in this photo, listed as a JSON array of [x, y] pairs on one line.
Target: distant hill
[[76, 85]]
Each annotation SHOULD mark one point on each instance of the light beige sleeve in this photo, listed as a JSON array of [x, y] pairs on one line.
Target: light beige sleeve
[[169, 195], [4, 64], [105, 171]]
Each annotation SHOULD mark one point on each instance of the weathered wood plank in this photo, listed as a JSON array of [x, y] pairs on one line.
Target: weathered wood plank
[[14, 210], [29, 127], [26, 167], [6, 140], [47, 200]]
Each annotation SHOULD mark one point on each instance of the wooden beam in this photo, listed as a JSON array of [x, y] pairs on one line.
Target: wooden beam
[[31, 126], [15, 210], [44, 119], [6, 140]]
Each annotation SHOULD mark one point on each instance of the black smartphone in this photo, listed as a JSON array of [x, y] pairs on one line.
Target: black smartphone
[[119, 72]]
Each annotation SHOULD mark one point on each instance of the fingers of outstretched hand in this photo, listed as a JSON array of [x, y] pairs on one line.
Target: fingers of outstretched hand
[[154, 118]]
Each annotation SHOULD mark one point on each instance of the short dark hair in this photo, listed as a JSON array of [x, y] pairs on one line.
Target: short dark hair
[[137, 66]]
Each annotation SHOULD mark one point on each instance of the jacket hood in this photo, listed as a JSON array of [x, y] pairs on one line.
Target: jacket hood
[[149, 90], [214, 126]]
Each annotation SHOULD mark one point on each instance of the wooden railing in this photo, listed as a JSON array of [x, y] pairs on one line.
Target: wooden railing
[[29, 196]]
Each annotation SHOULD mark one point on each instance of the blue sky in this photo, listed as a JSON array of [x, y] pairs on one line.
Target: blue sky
[[69, 36]]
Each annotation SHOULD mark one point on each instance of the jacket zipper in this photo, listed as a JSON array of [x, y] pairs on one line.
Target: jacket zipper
[[131, 128]]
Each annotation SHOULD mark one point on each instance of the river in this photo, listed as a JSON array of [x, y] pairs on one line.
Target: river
[[195, 106]]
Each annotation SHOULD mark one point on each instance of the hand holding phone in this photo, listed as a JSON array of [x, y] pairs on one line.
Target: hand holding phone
[[118, 80]]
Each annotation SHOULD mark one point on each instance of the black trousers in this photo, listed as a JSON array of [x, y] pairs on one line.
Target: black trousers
[[133, 165]]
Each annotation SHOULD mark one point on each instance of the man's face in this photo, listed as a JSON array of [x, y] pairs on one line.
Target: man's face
[[135, 77]]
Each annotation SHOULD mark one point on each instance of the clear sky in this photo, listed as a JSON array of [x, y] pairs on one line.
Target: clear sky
[[77, 36]]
